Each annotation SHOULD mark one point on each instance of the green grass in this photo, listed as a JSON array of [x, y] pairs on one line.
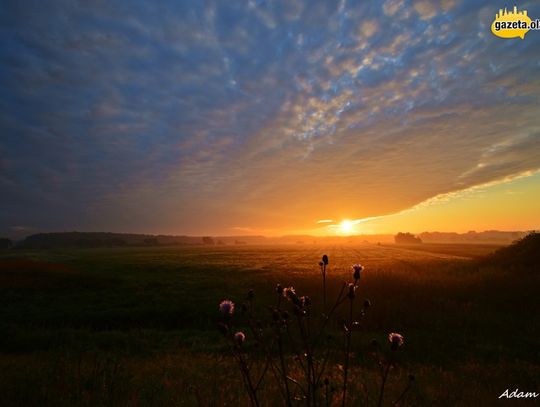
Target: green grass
[[136, 326]]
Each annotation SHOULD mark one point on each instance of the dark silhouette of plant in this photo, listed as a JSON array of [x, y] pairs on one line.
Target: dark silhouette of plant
[[297, 346]]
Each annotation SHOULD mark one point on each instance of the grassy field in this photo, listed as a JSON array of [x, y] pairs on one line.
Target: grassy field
[[137, 326]]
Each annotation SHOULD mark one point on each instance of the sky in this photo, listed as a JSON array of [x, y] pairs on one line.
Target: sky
[[266, 117]]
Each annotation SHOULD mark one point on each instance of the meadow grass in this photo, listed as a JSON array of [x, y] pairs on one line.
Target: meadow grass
[[137, 326]]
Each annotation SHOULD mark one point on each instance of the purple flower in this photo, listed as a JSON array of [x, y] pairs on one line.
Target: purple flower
[[396, 340], [239, 337], [289, 292], [357, 269], [226, 307]]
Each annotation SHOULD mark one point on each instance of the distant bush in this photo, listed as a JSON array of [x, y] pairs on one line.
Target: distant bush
[[406, 238], [523, 255], [5, 243], [208, 240]]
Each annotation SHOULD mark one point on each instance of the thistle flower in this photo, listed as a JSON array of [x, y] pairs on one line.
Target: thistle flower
[[288, 291], [357, 269], [305, 300], [290, 294], [226, 307], [325, 260], [396, 340], [239, 337]]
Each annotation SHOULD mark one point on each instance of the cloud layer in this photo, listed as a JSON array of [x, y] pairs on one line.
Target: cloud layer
[[179, 117]]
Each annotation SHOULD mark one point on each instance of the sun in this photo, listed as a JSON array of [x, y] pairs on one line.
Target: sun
[[346, 227]]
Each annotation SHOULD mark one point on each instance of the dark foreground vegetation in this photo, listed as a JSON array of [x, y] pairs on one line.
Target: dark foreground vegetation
[[137, 326]]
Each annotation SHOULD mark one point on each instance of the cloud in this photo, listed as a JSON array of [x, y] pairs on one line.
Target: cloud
[[369, 28], [426, 9], [182, 117]]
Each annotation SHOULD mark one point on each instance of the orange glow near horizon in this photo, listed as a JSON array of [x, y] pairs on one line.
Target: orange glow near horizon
[[508, 205], [346, 227]]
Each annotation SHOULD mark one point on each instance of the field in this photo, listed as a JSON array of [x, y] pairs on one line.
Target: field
[[137, 326]]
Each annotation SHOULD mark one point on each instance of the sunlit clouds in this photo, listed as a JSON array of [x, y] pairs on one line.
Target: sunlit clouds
[[265, 117]]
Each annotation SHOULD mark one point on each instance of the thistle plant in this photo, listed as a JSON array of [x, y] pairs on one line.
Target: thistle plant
[[295, 347]]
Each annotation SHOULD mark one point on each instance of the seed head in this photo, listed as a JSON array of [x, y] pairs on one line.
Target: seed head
[[325, 259], [226, 307]]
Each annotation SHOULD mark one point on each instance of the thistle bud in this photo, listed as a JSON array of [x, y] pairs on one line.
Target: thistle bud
[[239, 338], [250, 295], [357, 269], [325, 259]]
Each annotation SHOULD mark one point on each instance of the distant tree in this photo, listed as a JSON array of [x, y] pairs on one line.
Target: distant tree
[[5, 243], [406, 238], [117, 242], [521, 256], [208, 240], [150, 241]]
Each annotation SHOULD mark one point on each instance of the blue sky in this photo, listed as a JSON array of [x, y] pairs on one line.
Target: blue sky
[[231, 117]]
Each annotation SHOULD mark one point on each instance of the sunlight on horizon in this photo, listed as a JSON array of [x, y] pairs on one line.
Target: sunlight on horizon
[[512, 204]]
